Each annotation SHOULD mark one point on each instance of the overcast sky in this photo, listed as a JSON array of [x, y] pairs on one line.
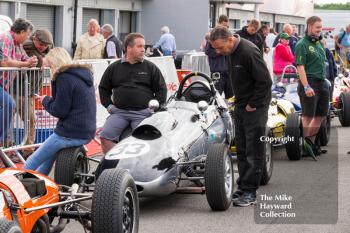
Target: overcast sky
[[330, 1]]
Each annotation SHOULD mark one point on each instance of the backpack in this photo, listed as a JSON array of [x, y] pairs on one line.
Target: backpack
[[339, 41]]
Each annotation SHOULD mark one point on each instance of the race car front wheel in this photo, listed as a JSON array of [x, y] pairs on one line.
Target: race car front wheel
[[115, 205], [344, 107], [218, 177], [70, 162], [294, 133], [268, 160], [7, 226]]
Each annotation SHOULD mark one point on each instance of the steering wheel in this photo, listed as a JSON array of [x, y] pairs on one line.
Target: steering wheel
[[190, 75]]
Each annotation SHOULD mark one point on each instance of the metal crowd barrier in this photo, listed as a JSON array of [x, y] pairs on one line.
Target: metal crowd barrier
[[24, 123]]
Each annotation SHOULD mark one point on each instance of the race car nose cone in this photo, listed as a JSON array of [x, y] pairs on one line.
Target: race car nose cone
[[153, 105]]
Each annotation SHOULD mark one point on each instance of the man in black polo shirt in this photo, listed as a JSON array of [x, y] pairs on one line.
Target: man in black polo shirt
[[252, 87], [313, 90], [113, 48], [126, 88]]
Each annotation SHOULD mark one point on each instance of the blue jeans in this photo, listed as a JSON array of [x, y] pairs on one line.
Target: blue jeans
[[7, 105], [167, 53], [42, 159]]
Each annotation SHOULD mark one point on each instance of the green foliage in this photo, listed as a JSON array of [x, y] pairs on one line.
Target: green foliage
[[333, 6]]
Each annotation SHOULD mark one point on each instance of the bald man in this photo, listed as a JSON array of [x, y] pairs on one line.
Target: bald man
[[287, 28], [113, 49]]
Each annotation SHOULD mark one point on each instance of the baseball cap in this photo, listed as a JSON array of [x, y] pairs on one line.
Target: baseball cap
[[284, 36]]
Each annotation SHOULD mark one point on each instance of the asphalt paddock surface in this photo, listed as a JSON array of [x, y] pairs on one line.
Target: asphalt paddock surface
[[317, 193]]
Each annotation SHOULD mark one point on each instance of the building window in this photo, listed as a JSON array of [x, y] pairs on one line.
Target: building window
[[212, 15], [265, 23], [235, 24], [279, 27], [301, 29]]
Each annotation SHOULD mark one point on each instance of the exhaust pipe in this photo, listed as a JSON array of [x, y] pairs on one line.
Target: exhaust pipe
[[60, 226]]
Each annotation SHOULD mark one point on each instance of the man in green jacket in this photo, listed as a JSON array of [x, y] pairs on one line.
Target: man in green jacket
[[313, 90]]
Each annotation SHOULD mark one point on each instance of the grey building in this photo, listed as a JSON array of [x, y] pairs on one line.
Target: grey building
[[67, 19], [274, 13], [188, 20]]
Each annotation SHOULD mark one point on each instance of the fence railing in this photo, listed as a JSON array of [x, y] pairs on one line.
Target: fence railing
[[23, 120]]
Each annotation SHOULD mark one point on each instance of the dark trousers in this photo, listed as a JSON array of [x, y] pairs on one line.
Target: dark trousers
[[224, 84], [249, 127]]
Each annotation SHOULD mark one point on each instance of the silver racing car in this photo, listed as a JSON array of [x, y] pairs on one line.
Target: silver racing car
[[183, 147]]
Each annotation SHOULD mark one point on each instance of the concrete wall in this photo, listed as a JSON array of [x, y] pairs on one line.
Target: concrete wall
[[188, 21]]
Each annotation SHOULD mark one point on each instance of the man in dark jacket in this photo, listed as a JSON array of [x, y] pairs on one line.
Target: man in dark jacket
[[39, 45], [250, 33], [126, 88], [218, 64], [263, 32], [252, 87], [113, 48]]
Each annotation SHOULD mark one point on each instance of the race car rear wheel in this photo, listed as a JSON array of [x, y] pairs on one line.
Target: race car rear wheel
[[344, 106], [69, 162], [268, 160], [7, 226], [324, 133], [218, 177], [115, 205], [294, 132]]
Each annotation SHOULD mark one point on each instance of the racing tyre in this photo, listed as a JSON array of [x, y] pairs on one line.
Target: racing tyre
[[268, 160], [9, 227], [294, 131], [344, 106], [324, 133], [115, 205], [69, 162], [219, 177]]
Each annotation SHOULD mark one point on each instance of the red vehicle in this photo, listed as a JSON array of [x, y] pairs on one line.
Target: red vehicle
[[29, 202]]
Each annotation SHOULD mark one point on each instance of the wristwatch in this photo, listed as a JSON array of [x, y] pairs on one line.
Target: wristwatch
[[307, 87]]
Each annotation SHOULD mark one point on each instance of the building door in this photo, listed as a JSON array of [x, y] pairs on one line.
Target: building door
[[5, 9], [127, 23], [88, 14], [42, 17]]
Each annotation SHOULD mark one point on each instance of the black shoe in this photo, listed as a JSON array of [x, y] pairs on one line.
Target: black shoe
[[309, 148], [246, 199], [236, 195]]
